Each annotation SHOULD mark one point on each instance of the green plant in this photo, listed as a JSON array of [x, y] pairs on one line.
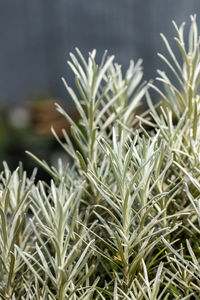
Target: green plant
[[123, 221]]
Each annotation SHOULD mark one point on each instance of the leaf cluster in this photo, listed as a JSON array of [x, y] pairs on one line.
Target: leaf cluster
[[122, 222]]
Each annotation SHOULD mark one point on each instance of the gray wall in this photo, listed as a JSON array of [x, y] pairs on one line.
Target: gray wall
[[37, 35]]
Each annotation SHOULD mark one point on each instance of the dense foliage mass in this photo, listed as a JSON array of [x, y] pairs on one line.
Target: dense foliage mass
[[122, 222]]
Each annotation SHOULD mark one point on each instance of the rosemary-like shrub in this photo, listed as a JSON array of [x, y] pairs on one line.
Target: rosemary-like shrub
[[124, 221]]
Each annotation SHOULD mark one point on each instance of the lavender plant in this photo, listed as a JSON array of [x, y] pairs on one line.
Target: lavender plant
[[123, 221]]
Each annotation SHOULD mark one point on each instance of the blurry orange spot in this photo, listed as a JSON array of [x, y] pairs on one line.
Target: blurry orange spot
[[118, 257]]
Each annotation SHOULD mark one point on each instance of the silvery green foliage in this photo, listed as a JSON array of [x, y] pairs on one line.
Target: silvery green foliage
[[182, 99], [14, 229], [124, 221]]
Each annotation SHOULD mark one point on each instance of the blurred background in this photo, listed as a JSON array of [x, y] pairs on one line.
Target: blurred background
[[35, 40]]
